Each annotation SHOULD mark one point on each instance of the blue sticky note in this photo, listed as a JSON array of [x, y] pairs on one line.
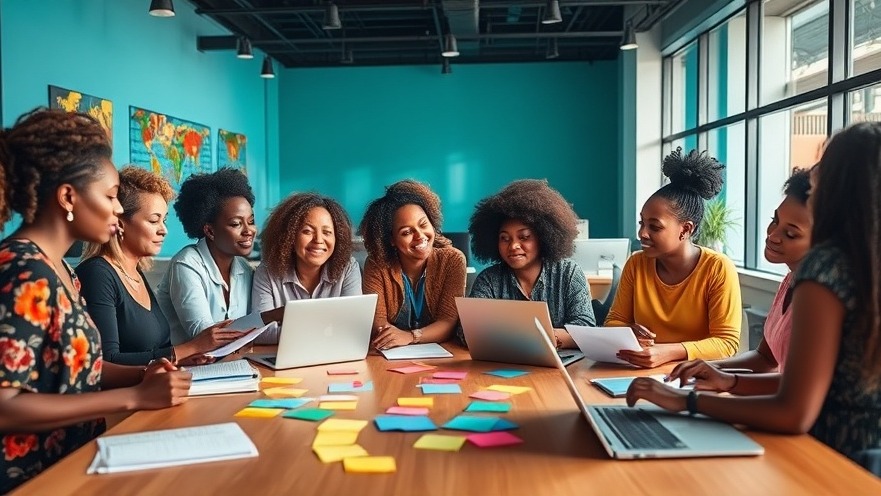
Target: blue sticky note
[[506, 373], [288, 403], [488, 406], [407, 423], [440, 388], [472, 423], [348, 387], [504, 425]]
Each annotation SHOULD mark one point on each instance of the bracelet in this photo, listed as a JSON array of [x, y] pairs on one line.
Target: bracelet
[[734, 386], [691, 402]]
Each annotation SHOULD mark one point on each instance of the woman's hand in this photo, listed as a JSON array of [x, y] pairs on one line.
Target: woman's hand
[[564, 340], [214, 337], [163, 386], [646, 358], [389, 336], [197, 359], [664, 396], [645, 337], [706, 377]]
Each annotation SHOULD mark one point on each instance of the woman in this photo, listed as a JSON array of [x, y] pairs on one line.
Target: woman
[[411, 266], [788, 241], [121, 303], [307, 253], [682, 300], [210, 281], [528, 230], [55, 171], [830, 386]]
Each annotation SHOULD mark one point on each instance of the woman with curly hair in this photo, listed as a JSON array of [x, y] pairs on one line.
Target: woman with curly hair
[[55, 388], [411, 266], [528, 229], [133, 329], [307, 253], [682, 300], [210, 282]]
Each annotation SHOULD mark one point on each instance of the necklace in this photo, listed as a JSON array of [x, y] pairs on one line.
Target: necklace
[[131, 279]]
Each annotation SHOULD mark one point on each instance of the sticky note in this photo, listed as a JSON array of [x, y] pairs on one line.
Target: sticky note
[[509, 389], [493, 439], [490, 395], [288, 403], [426, 402], [284, 392], [404, 423], [258, 412], [338, 405], [449, 375], [338, 397], [411, 369], [431, 380], [471, 423], [335, 438], [504, 425], [342, 372], [507, 373], [440, 388], [310, 414], [439, 442], [331, 454], [406, 410], [290, 381], [349, 387], [369, 464], [486, 406], [342, 425]]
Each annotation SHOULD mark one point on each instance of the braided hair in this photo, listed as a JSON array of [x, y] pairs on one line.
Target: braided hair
[[694, 178]]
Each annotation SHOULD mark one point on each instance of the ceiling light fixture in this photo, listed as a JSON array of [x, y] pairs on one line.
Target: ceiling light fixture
[[267, 72], [332, 17], [552, 13], [628, 41], [451, 47], [445, 67], [553, 49], [161, 8], [243, 48]]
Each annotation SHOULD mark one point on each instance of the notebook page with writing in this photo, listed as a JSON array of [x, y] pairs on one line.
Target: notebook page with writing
[[222, 371]]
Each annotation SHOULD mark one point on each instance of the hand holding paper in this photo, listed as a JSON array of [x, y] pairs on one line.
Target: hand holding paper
[[602, 344]]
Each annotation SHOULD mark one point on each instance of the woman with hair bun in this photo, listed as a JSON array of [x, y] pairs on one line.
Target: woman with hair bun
[[682, 300]]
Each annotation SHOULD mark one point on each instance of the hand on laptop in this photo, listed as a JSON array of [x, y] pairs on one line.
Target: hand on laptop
[[649, 389], [706, 377], [389, 336]]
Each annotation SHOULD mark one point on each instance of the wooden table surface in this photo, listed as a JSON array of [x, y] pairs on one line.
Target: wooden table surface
[[560, 453]]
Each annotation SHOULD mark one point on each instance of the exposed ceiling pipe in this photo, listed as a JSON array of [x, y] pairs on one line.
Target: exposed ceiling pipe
[[403, 7]]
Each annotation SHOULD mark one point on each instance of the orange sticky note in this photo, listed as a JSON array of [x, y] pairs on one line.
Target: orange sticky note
[[284, 392], [370, 464], [338, 405], [259, 412], [426, 402]]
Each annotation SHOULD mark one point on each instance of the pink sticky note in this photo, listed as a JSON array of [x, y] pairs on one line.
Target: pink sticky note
[[490, 395], [342, 372], [406, 410], [411, 369], [429, 380], [492, 439], [449, 375]]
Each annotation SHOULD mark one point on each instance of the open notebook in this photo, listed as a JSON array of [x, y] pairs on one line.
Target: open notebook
[[237, 376]]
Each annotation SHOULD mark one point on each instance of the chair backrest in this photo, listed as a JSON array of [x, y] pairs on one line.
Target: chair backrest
[[462, 241], [601, 308]]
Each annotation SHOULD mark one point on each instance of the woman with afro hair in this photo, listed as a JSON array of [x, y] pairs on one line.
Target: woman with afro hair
[[209, 282], [528, 230], [682, 300], [411, 266]]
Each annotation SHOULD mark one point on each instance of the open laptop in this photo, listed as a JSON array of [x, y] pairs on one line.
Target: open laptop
[[651, 432], [503, 331], [322, 330]]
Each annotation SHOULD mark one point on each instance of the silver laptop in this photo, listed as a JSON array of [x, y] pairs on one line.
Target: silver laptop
[[503, 331], [322, 330], [651, 432]]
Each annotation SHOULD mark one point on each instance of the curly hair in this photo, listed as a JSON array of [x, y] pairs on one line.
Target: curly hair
[[378, 221], [202, 196], [280, 234], [798, 185], [534, 203], [43, 150], [134, 183], [693, 178]]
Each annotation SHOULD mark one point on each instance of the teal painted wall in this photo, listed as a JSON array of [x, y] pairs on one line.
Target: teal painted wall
[[349, 132], [113, 49]]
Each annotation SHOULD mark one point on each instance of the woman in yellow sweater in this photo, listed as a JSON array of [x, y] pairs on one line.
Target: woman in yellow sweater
[[682, 300]]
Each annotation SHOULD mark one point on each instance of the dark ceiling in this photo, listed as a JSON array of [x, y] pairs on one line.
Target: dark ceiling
[[401, 32]]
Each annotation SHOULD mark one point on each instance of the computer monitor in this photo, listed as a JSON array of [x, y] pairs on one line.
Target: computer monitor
[[589, 252]]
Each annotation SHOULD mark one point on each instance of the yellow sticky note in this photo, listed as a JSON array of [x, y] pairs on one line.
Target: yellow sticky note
[[335, 438], [440, 442], [338, 405], [282, 380], [259, 412], [284, 392], [369, 464], [509, 389], [330, 454], [342, 425], [427, 402]]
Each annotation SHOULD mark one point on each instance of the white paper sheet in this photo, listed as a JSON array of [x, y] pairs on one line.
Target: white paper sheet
[[238, 343], [246, 323], [602, 344], [416, 351]]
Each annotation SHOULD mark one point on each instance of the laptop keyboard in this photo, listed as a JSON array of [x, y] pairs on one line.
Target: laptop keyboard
[[638, 429]]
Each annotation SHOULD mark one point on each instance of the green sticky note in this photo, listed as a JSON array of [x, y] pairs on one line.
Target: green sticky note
[[488, 406], [311, 414]]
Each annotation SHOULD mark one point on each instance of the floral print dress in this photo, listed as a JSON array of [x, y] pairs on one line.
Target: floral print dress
[[48, 345]]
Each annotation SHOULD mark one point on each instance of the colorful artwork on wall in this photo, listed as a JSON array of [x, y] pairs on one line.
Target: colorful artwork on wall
[[231, 148], [74, 101], [171, 147]]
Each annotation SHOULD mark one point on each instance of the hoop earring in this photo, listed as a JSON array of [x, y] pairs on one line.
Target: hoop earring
[[69, 215]]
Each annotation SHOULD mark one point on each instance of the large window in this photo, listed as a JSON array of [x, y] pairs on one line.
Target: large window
[[866, 54], [683, 89]]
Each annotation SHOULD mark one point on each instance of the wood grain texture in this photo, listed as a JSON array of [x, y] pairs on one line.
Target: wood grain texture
[[560, 455]]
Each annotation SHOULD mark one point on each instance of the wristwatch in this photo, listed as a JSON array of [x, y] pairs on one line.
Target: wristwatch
[[417, 335]]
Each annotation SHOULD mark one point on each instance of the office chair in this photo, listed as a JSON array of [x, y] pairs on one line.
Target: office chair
[[601, 308], [462, 241]]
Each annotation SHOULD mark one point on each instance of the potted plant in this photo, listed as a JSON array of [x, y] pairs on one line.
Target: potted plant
[[718, 219]]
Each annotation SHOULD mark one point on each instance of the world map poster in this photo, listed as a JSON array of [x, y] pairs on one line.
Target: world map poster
[[231, 148], [171, 147], [75, 101]]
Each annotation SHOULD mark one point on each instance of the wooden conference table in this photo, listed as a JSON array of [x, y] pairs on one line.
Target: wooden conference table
[[560, 454]]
